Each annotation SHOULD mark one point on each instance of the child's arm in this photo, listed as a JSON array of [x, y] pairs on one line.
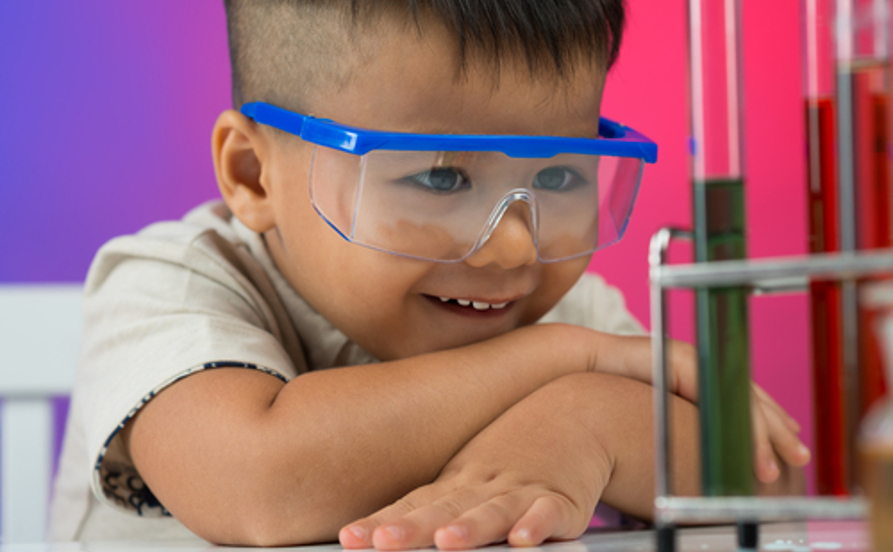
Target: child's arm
[[240, 457], [538, 471]]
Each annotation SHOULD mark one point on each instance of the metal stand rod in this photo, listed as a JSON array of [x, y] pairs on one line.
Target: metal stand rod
[[770, 272], [657, 257], [669, 510], [666, 532], [851, 385]]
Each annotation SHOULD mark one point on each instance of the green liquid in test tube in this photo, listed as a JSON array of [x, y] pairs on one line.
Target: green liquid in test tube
[[723, 345], [719, 229]]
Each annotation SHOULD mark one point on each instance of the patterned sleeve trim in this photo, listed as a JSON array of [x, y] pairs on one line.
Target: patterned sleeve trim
[[115, 475]]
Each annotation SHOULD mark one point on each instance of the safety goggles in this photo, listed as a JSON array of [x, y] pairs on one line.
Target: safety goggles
[[439, 197]]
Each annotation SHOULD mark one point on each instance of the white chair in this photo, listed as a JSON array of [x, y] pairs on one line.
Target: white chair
[[40, 331]]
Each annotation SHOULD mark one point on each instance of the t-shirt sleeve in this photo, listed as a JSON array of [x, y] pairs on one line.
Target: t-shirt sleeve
[[155, 311], [595, 304]]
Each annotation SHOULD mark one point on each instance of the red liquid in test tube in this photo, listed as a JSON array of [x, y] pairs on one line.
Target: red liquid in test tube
[[825, 301]]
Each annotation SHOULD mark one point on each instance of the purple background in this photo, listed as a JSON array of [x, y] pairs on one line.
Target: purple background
[[108, 110]]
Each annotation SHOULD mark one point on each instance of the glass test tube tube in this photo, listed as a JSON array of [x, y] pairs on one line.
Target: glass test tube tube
[[718, 185], [871, 97], [823, 214], [863, 90]]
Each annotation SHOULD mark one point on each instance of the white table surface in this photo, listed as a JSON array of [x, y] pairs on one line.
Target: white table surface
[[781, 537]]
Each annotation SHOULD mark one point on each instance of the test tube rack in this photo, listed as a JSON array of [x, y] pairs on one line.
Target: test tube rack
[[762, 276]]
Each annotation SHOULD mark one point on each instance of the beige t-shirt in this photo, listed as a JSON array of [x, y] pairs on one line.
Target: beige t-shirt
[[191, 295]]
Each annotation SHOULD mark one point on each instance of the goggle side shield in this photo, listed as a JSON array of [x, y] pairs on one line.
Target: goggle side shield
[[442, 206]]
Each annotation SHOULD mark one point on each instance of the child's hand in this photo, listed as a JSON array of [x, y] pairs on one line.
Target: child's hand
[[531, 475], [473, 504], [774, 433], [538, 471]]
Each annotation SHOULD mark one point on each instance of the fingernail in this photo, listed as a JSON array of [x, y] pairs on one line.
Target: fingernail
[[803, 451], [773, 467], [458, 531], [358, 532], [395, 532], [523, 536]]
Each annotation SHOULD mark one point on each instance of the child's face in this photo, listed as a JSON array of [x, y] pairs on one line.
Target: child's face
[[391, 306]]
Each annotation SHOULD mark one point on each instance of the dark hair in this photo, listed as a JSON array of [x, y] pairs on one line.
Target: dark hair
[[270, 39]]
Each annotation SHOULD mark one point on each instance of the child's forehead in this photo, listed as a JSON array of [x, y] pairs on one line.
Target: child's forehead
[[408, 82]]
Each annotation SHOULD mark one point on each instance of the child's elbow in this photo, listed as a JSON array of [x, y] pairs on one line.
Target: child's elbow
[[273, 504], [263, 526]]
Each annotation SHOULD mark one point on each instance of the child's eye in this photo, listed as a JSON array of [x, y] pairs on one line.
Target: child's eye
[[441, 180], [558, 179]]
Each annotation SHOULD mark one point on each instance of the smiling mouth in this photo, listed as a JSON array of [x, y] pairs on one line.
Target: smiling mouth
[[471, 305]]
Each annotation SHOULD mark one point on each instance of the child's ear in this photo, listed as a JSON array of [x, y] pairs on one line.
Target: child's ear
[[239, 151]]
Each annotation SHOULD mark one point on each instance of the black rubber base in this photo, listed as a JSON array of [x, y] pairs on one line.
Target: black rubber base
[[666, 539], [748, 535]]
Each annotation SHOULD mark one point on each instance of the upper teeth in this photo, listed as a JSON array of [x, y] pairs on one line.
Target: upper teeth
[[478, 305]]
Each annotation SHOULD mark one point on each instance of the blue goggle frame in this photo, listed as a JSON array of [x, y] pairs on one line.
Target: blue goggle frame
[[614, 138]]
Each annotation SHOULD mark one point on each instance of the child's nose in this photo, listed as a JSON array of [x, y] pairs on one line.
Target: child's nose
[[511, 243]]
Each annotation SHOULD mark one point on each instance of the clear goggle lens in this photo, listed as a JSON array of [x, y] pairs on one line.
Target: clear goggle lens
[[443, 205]]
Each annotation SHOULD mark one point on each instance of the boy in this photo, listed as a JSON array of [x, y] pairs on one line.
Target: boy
[[430, 409]]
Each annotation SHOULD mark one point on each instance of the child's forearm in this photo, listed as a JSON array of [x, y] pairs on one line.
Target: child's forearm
[[239, 457], [626, 429]]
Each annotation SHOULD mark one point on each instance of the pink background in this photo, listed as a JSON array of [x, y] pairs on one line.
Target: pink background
[[108, 108]]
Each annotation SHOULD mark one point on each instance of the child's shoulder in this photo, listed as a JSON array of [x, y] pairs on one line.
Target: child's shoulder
[[184, 295], [208, 241], [211, 221]]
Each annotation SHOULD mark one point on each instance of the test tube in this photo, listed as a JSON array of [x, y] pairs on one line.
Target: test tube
[[718, 184], [823, 213], [871, 97], [863, 90]]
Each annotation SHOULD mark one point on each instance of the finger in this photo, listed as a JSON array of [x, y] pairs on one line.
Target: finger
[[684, 366], [548, 517], [487, 523], [765, 466], [416, 529], [786, 443], [789, 420], [354, 537], [782, 431], [359, 533]]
